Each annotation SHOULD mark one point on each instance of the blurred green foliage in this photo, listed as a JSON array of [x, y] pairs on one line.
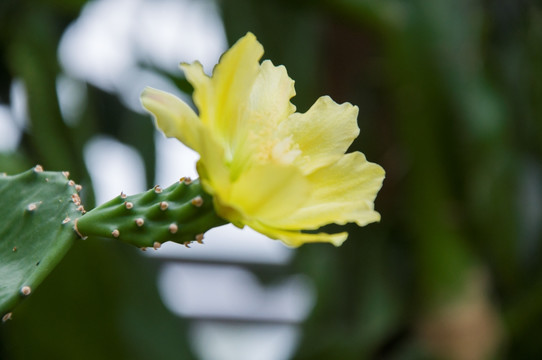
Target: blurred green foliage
[[449, 105]]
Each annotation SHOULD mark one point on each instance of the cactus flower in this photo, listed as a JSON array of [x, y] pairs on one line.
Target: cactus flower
[[277, 171]]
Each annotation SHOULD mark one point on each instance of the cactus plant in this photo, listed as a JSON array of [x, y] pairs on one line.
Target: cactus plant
[[180, 213], [38, 212], [44, 216]]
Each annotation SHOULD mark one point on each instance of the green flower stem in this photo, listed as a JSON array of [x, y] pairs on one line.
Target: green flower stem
[[179, 213]]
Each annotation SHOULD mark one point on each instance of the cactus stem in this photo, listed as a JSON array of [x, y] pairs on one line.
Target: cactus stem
[[38, 168], [177, 213], [199, 238], [156, 245], [83, 237], [6, 317], [66, 220], [26, 290], [173, 228], [163, 205], [197, 201]]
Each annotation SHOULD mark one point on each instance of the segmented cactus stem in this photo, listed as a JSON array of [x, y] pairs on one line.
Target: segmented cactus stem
[[180, 213]]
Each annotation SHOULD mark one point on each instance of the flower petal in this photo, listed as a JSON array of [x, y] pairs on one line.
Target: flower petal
[[297, 238], [269, 191], [173, 116], [343, 192], [323, 133], [176, 119], [270, 96], [221, 99], [268, 105]]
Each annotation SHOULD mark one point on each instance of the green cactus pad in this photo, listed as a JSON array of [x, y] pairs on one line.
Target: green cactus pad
[[180, 213], [38, 213]]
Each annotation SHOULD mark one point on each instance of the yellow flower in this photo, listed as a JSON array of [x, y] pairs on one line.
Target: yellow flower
[[268, 167]]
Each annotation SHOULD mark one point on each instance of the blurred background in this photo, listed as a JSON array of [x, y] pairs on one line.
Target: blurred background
[[450, 105]]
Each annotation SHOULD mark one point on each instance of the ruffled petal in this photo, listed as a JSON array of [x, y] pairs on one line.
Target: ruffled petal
[[176, 119], [268, 105], [323, 133], [203, 95], [173, 116], [268, 191], [221, 99], [269, 100], [297, 238], [343, 192]]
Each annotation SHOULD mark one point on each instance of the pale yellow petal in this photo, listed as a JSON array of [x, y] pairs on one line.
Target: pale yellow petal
[[269, 191], [343, 192], [212, 169], [222, 99], [173, 116], [268, 105], [176, 119], [297, 238], [323, 133], [203, 95], [269, 101]]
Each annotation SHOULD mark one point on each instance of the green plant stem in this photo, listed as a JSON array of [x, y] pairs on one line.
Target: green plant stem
[[179, 213]]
